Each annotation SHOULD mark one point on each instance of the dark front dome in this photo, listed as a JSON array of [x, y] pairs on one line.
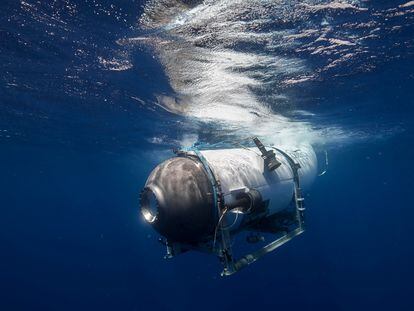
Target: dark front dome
[[178, 200]]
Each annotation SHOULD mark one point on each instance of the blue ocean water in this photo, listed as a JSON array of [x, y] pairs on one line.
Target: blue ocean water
[[94, 94]]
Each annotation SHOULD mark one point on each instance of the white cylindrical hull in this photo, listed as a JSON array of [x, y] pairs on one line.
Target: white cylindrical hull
[[243, 169]]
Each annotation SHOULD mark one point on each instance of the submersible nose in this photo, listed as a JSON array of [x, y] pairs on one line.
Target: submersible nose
[[177, 200]]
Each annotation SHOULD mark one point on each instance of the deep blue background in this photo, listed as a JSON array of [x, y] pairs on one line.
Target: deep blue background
[[71, 237]]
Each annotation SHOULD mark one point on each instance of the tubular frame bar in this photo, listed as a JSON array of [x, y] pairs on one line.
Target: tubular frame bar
[[299, 206], [251, 258], [230, 265]]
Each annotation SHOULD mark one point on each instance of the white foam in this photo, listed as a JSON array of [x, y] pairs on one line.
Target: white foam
[[216, 82]]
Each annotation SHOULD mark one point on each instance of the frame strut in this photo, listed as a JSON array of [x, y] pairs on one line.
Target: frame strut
[[224, 251], [299, 207], [251, 258]]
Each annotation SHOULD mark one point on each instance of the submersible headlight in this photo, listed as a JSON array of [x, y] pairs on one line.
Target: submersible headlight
[[149, 205]]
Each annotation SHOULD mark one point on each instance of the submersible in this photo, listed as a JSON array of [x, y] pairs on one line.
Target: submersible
[[201, 199]]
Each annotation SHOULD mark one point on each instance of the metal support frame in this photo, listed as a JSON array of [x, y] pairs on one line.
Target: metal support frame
[[224, 249], [299, 199], [299, 210]]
